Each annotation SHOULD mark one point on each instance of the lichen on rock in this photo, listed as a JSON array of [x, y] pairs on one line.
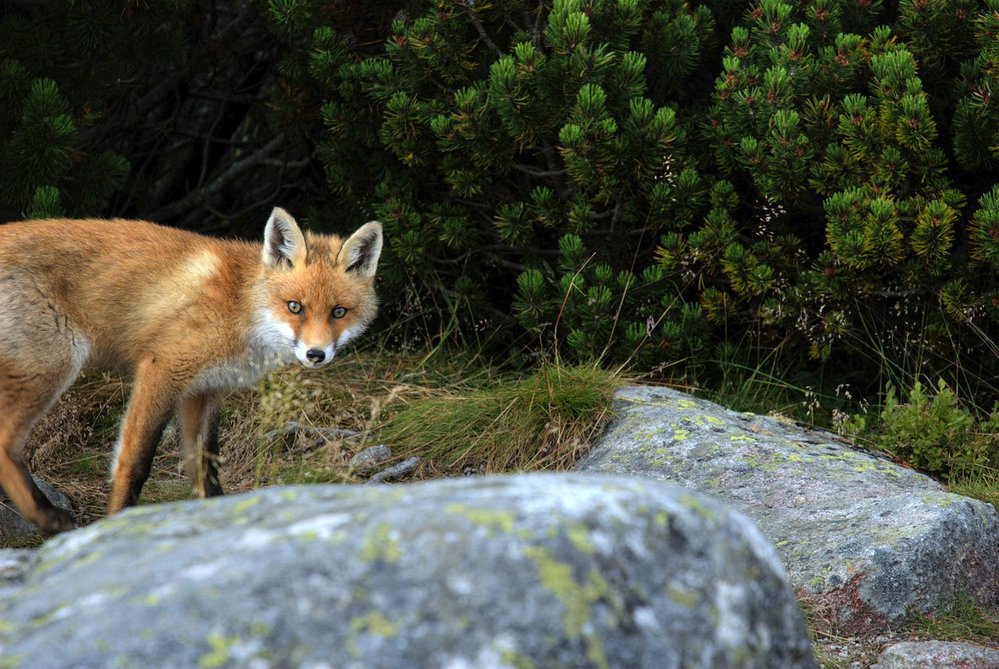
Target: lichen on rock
[[868, 542], [523, 571]]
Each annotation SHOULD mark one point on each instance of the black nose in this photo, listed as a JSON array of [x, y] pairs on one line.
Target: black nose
[[315, 355]]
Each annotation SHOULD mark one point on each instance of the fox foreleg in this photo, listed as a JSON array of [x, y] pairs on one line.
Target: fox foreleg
[[199, 438]]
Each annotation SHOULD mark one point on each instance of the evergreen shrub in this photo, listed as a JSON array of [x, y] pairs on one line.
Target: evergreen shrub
[[813, 184], [686, 186]]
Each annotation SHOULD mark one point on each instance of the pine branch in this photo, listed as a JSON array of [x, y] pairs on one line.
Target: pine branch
[[482, 31], [535, 172], [222, 179]]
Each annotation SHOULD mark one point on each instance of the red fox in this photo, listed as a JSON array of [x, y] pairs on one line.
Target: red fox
[[187, 316]]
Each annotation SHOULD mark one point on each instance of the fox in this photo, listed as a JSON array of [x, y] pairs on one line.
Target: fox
[[187, 317]]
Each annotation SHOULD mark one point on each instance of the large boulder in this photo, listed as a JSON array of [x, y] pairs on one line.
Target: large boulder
[[867, 543], [525, 571]]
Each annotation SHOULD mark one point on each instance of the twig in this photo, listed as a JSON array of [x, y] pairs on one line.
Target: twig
[[536, 30], [482, 31], [223, 179], [535, 172]]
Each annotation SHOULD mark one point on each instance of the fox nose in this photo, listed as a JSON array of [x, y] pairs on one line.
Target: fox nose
[[315, 355]]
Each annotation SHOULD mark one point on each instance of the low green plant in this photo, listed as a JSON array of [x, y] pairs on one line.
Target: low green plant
[[543, 421], [965, 621], [982, 484], [932, 430]]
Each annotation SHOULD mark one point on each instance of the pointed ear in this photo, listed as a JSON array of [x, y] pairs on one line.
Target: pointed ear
[[361, 250], [284, 244]]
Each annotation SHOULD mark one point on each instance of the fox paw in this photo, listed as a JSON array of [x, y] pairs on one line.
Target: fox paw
[[55, 520]]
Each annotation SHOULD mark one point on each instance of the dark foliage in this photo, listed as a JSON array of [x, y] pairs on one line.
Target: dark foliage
[[684, 185]]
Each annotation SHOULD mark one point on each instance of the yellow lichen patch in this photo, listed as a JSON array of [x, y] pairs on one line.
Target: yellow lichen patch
[[374, 623], [11, 662], [683, 596], [493, 520], [149, 599], [380, 544], [577, 599], [245, 504], [218, 656], [696, 505], [579, 535], [513, 659], [654, 403]]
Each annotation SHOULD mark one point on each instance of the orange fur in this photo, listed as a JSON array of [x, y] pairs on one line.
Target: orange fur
[[188, 317]]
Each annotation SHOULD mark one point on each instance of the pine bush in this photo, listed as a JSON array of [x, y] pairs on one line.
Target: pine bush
[[679, 185], [638, 180]]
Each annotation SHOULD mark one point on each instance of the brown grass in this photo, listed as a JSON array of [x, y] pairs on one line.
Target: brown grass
[[457, 414], [71, 446]]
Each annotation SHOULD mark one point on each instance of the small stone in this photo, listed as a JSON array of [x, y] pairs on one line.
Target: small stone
[[368, 459], [14, 526], [396, 472]]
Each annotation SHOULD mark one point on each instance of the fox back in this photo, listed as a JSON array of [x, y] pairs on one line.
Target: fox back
[[187, 316]]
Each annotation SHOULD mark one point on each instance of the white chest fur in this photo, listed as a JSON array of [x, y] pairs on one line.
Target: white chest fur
[[270, 345], [237, 372]]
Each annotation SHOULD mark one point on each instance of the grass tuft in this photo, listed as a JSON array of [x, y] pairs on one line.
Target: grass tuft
[[965, 621], [544, 421]]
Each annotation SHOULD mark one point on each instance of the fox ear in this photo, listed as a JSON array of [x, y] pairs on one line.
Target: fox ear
[[361, 250], [284, 244]]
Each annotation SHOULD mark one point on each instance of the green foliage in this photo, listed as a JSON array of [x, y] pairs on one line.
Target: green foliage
[[39, 161], [198, 115], [522, 141], [808, 199], [857, 250], [966, 621], [63, 71], [933, 431], [976, 114], [649, 182]]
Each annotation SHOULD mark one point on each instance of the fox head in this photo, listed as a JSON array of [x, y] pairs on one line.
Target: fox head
[[316, 292]]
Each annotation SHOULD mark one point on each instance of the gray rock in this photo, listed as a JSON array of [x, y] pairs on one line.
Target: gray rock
[[369, 459], [937, 655], [396, 471], [13, 526], [526, 571], [14, 567], [866, 542]]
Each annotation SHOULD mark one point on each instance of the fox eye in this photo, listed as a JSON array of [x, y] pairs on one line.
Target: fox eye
[[295, 307], [339, 312]]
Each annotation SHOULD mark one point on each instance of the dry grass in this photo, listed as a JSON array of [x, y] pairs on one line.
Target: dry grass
[[71, 446], [365, 393]]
